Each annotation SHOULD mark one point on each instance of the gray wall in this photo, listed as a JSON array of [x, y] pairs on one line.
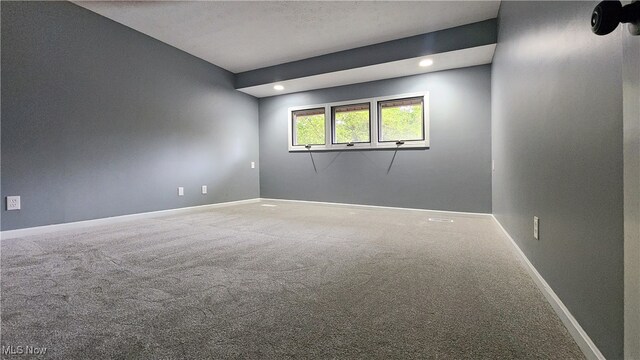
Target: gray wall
[[100, 120], [557, 145], [454, 174], [631, 93]]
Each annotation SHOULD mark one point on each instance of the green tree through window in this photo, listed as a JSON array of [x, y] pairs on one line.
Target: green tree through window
[[401, 120], [309, 127], [351, 123]]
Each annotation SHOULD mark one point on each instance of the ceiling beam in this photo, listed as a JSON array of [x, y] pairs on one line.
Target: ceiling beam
[[456, 38]]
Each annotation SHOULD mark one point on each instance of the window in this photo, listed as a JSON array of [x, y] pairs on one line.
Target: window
[[351, 124], [389, 122], [401, 119], [309, 127]]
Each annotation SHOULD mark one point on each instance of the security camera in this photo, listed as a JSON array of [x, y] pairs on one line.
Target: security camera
[[608, 14]]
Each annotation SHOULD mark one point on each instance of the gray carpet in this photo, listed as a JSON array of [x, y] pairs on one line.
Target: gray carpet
[[288, 281]]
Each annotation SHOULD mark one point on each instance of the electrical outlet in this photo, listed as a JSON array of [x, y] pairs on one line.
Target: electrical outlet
[[180, 191], [536, 223], [13, 202], [253, 164], [204, 189]]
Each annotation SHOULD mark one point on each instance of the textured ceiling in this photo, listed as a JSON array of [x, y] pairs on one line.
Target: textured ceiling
[[246, 35]]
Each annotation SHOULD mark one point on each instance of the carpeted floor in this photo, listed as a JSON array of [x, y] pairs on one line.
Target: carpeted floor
[[287, 281]]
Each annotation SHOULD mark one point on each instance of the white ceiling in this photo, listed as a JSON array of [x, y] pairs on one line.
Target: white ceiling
[[246, 35]]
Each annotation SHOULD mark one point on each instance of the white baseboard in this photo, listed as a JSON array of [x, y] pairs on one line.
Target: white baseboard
[[9, 234], [583, 340], [379, 207]]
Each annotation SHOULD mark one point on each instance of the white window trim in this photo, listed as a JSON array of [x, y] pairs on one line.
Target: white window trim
[[374, 137]]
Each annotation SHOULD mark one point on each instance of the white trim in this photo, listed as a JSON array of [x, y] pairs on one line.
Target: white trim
[[10, 234], [583, 340], [380, 207], [374, 142]]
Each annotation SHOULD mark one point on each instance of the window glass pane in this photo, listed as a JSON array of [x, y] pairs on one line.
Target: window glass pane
[[351, 123], [308, 127], [402, 119]]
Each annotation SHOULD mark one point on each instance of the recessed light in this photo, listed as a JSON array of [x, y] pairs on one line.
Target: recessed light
[[426, 62], [278, 87]]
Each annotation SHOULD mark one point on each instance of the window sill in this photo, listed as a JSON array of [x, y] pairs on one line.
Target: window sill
[[359, 147]]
